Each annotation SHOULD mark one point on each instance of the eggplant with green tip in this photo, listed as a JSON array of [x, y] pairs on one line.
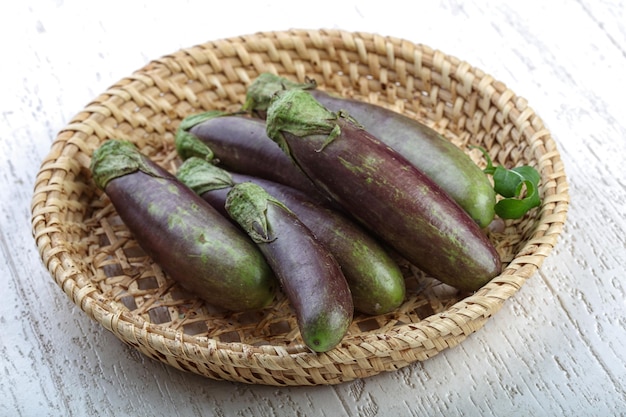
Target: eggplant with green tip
[[193, 243], [375, 280], [238, 144], [383, 190], [308, 273], [445, 163]]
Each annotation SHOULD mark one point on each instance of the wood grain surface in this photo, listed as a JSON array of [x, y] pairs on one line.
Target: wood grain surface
[[556, 348]]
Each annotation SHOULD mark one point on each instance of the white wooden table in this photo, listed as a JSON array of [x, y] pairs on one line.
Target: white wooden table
[[556, 348]]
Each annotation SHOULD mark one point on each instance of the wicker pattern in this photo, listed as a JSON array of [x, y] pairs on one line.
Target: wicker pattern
[[93, 258]]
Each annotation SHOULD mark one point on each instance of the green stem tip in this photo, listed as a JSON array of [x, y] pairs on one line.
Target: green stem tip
[[115, 158], [261, 90], [247, 204], [202, 176]]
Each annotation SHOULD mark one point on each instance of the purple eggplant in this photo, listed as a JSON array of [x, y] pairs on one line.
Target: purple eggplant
[[383, 190], [308, 273], [375, 280], [193, 243], [446, 164], [238, 144]]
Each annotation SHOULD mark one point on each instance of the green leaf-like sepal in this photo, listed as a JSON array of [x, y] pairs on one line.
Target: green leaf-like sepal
[[247, 204], [300, 114], [261, 90], [115, 158], [187, 144], [202, 176]]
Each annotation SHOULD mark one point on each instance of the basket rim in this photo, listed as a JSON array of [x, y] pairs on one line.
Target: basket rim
[[456, 320]]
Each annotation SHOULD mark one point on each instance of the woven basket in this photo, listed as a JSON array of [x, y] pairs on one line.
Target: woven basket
[[94, 259]]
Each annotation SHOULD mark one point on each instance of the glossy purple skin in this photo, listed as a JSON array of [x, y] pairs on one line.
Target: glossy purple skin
[[439, 159], [398, 203], [311, 279], [376, 283], [241, 145], [446, 164], [193, 243]]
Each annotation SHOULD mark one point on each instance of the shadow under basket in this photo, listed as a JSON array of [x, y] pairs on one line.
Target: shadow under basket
[[94, 259]]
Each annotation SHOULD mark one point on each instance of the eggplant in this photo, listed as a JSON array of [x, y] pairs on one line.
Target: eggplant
[[383, 190], [375, 280], [192, 242], [238, 144], [308, 273], [445, 163]]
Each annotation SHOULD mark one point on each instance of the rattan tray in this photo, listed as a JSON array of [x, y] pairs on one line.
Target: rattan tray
[[93, 258]]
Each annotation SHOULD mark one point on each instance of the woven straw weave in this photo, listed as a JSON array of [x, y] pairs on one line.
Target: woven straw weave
[[94, 259]]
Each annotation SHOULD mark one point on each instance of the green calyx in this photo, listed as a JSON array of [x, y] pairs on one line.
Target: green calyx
[[260, 92], [247, 204], [115, 158], [187, 144], [297, 112], [202, 176]]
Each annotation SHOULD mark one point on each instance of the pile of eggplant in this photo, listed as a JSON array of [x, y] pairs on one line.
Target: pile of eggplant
[[306, 193]]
